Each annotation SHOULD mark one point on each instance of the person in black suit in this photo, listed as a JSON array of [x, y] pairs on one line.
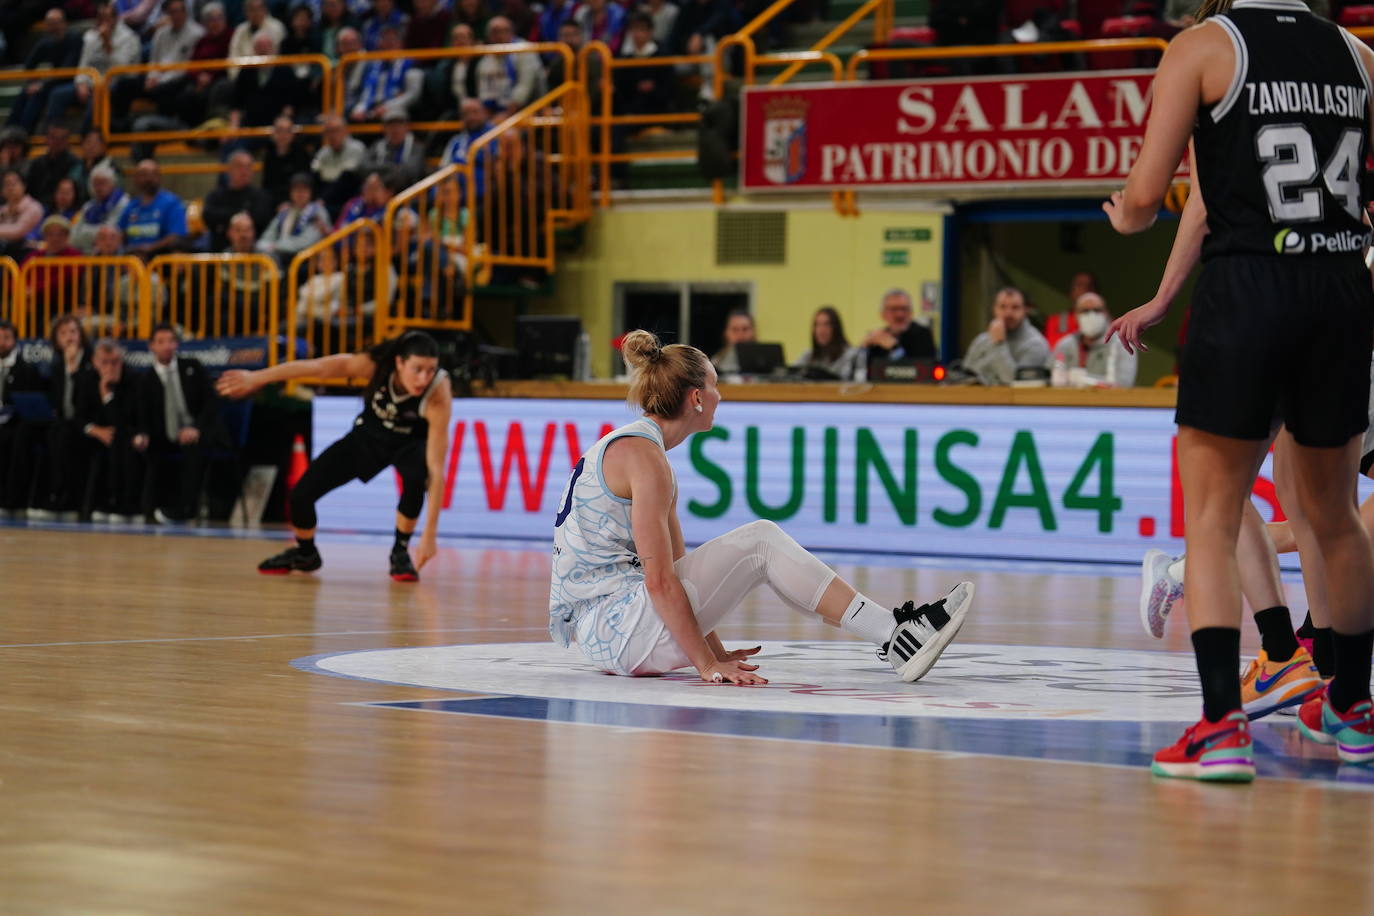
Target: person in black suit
[[15, 375], [66, 460], [107, 407], [176, 414], [900, 337]]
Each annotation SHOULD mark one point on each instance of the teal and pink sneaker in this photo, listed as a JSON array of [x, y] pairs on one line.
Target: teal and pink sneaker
[[1218, 751], [1351, 731]]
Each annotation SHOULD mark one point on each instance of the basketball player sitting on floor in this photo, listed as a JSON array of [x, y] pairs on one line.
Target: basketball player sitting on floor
[[626, 590]]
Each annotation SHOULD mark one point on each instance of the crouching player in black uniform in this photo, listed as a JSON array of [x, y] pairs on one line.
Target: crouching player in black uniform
[[404, 423]]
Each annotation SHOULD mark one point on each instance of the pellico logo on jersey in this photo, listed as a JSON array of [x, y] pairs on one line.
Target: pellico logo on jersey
[[1294, 241], [784, 139]]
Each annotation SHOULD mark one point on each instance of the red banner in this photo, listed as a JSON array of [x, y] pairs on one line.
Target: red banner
[[1055, 129]]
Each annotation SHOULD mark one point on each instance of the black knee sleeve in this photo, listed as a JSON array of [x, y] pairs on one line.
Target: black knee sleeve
[[412, 494]]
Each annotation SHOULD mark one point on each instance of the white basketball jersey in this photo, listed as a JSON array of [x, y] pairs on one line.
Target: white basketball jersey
[[597, 589]]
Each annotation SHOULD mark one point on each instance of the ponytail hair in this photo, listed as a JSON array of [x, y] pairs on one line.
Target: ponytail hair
[[662, 376], [384, 354], [1209, 8]]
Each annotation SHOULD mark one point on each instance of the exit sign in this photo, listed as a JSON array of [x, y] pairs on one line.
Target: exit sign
[[906, 235]]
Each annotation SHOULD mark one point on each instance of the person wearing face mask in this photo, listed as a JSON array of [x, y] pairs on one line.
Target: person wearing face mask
[[1084, 358]]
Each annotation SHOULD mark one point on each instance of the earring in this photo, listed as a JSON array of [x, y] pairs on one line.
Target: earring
[[699, 408]]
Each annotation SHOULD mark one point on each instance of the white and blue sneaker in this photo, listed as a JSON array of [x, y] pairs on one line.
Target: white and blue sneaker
[[1159, 591]]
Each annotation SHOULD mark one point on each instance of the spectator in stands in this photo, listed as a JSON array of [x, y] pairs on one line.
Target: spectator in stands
[[14, 150], [338, 164], [237, 194], [901, 336], [399, 149], [244, 290], [105, 208], [462, 74], [384, 13], [302, 222], [603, 21], [20, 214], [282, 158], [508, 82], [262, 94], [57, 162], [830, 356], [473, 14], [1085, 358], [1010, 342], [139, 15], [16, 376], [379, 186], [301, 37], [350, 42], [1064, 322], [110, 44], [513, 209], [256, 20], [664, 15], [429, 25], [55, 283], [64, 463], [113, 293], [176, 410], [107, 409], [66, 200], [739, 328], [387, 86], [193, 101], [572, 34], [360, 283], [334, 19], [318, 299], [555, 15], [642, 90], [476, 122], [173, 43], [522, 18], [155, 221], [440, 238], [95, 153], [58, 48]]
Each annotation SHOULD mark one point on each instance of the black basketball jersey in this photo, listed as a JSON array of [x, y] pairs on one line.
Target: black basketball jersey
[[392, 417], [1281, 155]]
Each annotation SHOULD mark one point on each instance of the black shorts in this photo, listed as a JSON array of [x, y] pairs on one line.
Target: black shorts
[[367, 455], [1273, 340]]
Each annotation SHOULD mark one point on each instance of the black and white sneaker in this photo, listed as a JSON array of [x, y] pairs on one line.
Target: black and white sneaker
[[923, 632], [292, 559]]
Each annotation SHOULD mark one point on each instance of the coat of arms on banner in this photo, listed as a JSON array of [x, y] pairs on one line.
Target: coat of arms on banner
[[784, 139]]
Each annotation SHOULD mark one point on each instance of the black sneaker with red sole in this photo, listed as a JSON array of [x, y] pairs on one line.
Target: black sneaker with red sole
[[402, 569], [292, 559]]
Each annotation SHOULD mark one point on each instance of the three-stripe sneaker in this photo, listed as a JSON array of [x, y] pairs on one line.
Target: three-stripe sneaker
[[923, 632], [1218, 751], [1351, 731], [1272, 686], [1159, 591]]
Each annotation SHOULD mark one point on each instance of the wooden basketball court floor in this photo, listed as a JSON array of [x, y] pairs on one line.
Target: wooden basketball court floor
[[161, 753]]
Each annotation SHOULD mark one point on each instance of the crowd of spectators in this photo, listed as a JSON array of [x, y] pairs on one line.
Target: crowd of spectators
[[90, 436]]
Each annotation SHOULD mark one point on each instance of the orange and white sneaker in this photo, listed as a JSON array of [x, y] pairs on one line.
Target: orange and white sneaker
[[1270, 686], [1211, 751]]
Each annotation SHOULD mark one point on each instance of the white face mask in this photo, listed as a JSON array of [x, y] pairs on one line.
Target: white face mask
[[1092, 324]]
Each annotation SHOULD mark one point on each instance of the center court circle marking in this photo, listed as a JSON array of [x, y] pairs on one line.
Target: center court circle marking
[[824, 678]]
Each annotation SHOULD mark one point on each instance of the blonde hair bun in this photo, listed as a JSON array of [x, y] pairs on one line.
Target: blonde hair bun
[[661, 377], [640, 348]]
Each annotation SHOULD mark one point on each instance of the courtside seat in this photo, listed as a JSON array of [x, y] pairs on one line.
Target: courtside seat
[[913, 35]]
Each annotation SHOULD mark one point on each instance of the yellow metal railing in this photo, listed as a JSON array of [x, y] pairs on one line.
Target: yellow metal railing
[[337, 299], [108, 294], [523, 179], [218, 295], [883, 16], [102, 104], [12, 296]]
